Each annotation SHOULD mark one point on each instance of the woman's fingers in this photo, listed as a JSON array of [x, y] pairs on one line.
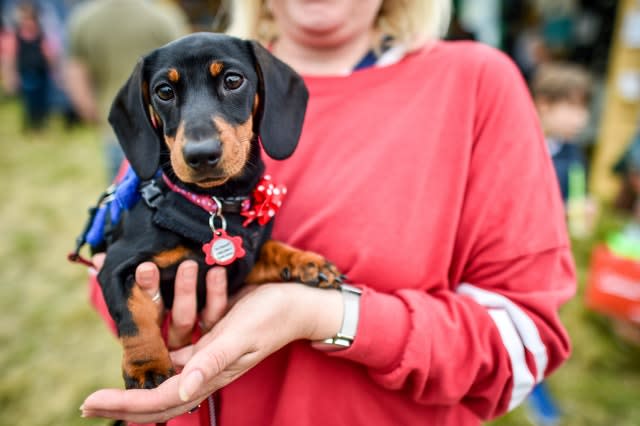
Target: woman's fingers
[[98, 261], [139, 405], [148, 279], [217, 363], [216, 304], [183, 312], [184, 309], [180, 357], [248, 333]]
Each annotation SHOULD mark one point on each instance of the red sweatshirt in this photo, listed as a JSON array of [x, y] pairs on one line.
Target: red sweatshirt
[[428, 183]]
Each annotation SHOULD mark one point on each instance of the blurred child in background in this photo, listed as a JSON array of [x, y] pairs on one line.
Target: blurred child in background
[[562, 93]]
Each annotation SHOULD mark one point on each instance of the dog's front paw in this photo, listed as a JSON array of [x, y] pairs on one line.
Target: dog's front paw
[[312, 269], [145, 364]]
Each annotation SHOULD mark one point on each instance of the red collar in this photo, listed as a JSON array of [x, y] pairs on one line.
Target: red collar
[[265, 201]]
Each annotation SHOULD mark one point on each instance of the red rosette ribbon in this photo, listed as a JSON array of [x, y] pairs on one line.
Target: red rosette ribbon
[[267, 200]]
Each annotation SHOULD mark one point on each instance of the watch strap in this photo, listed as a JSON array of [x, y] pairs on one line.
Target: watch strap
[[347, 334]]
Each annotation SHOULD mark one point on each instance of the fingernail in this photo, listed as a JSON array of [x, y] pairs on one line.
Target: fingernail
[[145, 273], [190, 385], [189, 272], [82, 407]]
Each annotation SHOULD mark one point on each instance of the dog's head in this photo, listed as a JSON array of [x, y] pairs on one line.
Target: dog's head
[[202, 100]]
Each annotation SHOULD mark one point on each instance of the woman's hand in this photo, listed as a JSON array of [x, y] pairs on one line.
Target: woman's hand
[[260, 323], [184, 316]]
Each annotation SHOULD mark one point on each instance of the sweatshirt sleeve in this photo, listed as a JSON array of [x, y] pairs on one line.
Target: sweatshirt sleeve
[[96, 299], [487, 336]]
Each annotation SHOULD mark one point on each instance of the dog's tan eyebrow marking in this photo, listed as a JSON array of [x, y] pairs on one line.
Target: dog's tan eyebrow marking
[[215, 68], [256, 102], [173, 75]]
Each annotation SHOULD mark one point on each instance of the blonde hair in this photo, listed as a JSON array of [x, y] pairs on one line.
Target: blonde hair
[[410, 22]]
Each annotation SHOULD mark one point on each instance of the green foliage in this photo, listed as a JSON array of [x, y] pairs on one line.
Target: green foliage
[[600, 384], [54, 348]]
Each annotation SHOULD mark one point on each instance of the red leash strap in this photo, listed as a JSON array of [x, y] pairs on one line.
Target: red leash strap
[[78, 258]]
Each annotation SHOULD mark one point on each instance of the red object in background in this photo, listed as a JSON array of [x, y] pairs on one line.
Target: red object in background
[[613, 287]]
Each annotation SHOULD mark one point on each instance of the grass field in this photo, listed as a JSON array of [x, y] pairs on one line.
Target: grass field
[[54, 350]]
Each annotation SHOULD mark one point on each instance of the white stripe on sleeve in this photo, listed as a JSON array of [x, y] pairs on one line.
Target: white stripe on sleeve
[[518, 332]]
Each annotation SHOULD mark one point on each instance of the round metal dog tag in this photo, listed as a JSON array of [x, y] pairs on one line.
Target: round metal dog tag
[[223, 249]]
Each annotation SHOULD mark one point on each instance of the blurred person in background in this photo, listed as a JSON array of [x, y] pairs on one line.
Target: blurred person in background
[[3, 43], [106, 39], [28, 58], [423, 174], [562, 93]]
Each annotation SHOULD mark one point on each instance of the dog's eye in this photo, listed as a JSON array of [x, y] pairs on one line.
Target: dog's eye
[[165, 92], [233, 81]]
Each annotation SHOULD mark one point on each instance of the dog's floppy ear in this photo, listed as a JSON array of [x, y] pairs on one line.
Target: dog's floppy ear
[[283, 101], [129, 117]]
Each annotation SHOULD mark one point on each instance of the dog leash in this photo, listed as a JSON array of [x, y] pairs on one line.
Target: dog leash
[[212, 411], [75, 255]]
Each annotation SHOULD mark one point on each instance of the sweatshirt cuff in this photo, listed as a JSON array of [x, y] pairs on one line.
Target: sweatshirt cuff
[[383, 328]]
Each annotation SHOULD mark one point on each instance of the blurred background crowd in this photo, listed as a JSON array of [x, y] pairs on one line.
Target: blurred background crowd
[[62, 61]]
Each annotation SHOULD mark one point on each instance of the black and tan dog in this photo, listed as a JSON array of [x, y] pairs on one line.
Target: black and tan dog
[[197, 109]]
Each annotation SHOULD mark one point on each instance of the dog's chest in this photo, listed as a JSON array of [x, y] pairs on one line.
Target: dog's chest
[[172, 222]]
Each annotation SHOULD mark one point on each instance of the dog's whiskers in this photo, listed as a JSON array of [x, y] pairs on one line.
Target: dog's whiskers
[[250, 165]]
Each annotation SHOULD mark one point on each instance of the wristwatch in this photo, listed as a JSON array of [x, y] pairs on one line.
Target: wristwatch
[[347, 334]]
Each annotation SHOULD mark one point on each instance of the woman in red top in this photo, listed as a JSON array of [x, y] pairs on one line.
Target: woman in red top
[[422, 173]]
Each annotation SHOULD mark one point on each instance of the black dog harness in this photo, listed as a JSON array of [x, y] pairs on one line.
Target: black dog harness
[[224, 227], [185, 214]]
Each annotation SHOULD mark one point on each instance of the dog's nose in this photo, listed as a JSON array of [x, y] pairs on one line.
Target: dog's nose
[[202, 154]]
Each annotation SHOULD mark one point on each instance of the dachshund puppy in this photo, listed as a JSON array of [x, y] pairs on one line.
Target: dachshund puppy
[[192, 120]]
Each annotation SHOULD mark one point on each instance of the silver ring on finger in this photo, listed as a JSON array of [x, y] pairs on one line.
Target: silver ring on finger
[[157, 297], [204, 327]]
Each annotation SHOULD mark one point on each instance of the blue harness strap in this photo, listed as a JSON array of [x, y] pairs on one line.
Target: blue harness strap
[[106, 214], [123, 196]]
